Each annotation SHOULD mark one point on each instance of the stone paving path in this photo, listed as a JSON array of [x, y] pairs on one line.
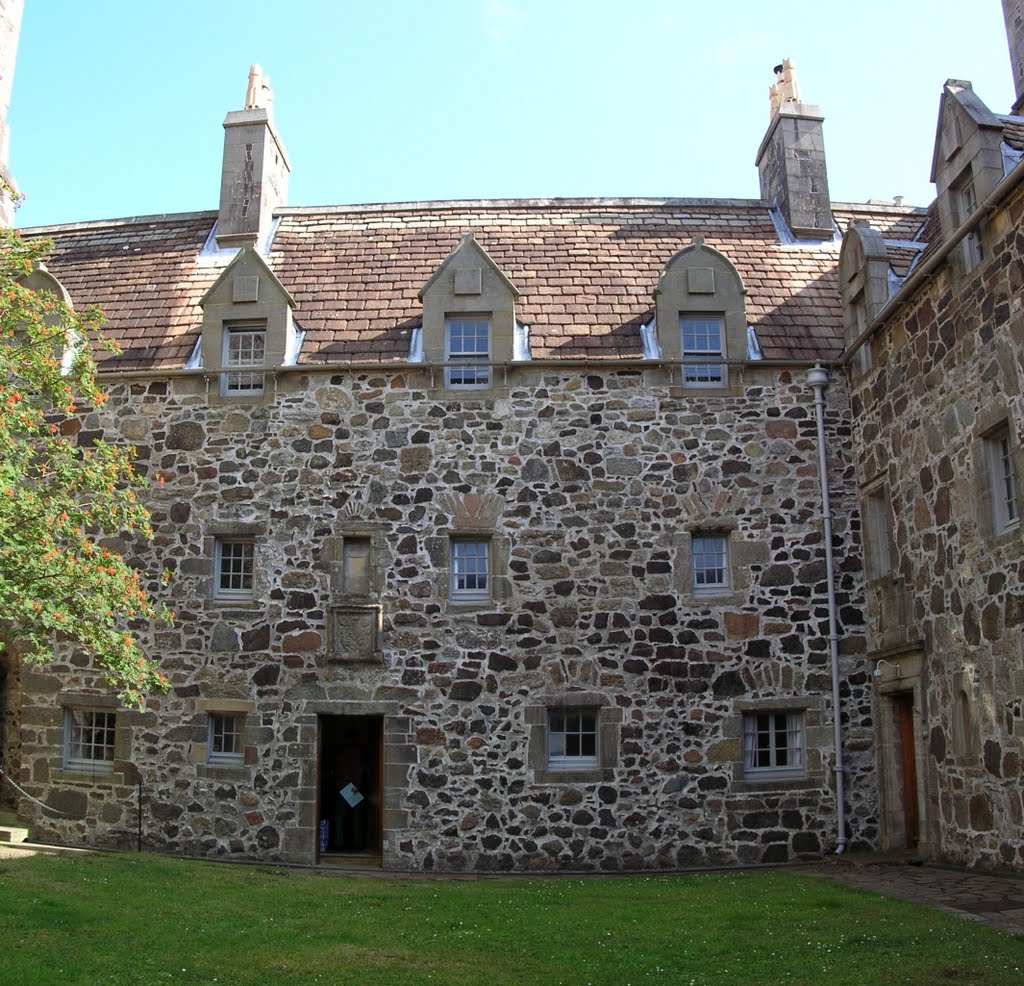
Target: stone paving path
[[993, 899]]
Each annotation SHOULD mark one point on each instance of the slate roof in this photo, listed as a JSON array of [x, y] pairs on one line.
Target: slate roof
[[585, 269]]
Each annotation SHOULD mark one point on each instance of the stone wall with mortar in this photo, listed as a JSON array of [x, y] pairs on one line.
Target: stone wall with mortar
[[948, 369], [589, 483]]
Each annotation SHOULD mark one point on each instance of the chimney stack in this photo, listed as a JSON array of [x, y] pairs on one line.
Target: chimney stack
[[1013, 14], [254, 177], [791, 159]]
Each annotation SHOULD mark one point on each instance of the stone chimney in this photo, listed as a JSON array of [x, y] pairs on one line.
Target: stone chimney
[[791, 159], [254, 178], [1013, 14]]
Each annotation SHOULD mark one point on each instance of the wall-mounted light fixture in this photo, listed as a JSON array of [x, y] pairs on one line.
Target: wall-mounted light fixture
[[878, 672]]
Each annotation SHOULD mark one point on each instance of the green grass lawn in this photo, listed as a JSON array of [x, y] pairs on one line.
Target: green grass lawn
[[144, 919]]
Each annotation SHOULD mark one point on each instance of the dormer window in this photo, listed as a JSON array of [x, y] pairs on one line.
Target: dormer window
[[247, 332], [864, 287], [967, 164], [467, 343], [469, 321], [701, 338], [244, 358], [700, 317]]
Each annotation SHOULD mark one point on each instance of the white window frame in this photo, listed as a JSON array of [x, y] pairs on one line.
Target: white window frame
[[470, 570], [89, 739], [774, 744], [235, 564], [244, 357], [702, 344], [575, 730], [1002, 479], [878, 528], [474, 373], [224, 738], [710, 553]]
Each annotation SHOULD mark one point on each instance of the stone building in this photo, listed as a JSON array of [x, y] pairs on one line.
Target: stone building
[[935, 367], [538, 522]]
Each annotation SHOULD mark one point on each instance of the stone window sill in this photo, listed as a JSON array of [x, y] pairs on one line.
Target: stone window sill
[[749, 785], [593, 775]]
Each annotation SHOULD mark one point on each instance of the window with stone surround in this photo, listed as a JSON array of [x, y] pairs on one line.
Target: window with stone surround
[[965, 202], [572, 739], [233, 568], [467, 343], [244, 350], [878, 531], [470, 570], [1002, 480], [966, 735], [710, 564], [89, 739], [773, 745], [224, 738]]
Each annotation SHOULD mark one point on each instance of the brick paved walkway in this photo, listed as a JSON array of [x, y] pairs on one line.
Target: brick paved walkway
[[993, 899]]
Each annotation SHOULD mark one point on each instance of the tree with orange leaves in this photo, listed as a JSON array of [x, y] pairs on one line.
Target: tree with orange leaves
[[62, 583]]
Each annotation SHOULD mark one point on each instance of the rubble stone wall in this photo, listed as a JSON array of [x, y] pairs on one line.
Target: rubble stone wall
[[588, 484]]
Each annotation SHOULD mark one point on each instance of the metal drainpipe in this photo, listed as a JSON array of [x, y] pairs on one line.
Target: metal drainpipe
[[818, 379]]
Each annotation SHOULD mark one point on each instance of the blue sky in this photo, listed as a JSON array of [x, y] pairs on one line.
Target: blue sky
[[117, 105]]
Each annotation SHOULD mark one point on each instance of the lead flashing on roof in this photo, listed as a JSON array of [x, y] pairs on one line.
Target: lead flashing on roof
[[787, 239], [213, 255]]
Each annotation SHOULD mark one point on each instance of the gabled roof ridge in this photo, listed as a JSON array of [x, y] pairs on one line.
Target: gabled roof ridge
[[440, 205], [113, 223]]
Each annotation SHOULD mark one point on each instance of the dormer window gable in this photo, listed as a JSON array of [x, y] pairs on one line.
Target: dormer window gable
[[863, 283], [701, 316], [247, 328], [469, 319], [967, 162], [43, 281]]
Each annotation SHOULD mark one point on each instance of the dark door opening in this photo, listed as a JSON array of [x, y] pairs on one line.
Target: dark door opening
[[350, 784], [904, 706]]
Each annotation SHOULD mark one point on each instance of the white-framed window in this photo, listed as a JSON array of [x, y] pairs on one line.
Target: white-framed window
[[572, 739], [879, 532], [965, 201], [89, 739], [701, 337], [244, 358], [773, 745], [467, 341], [1002, 480], [224, 738], [233, 567], [471, 570], [710, 563]]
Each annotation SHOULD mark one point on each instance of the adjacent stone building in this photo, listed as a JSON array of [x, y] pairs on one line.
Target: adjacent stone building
[[526, 535], [936, 366]]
